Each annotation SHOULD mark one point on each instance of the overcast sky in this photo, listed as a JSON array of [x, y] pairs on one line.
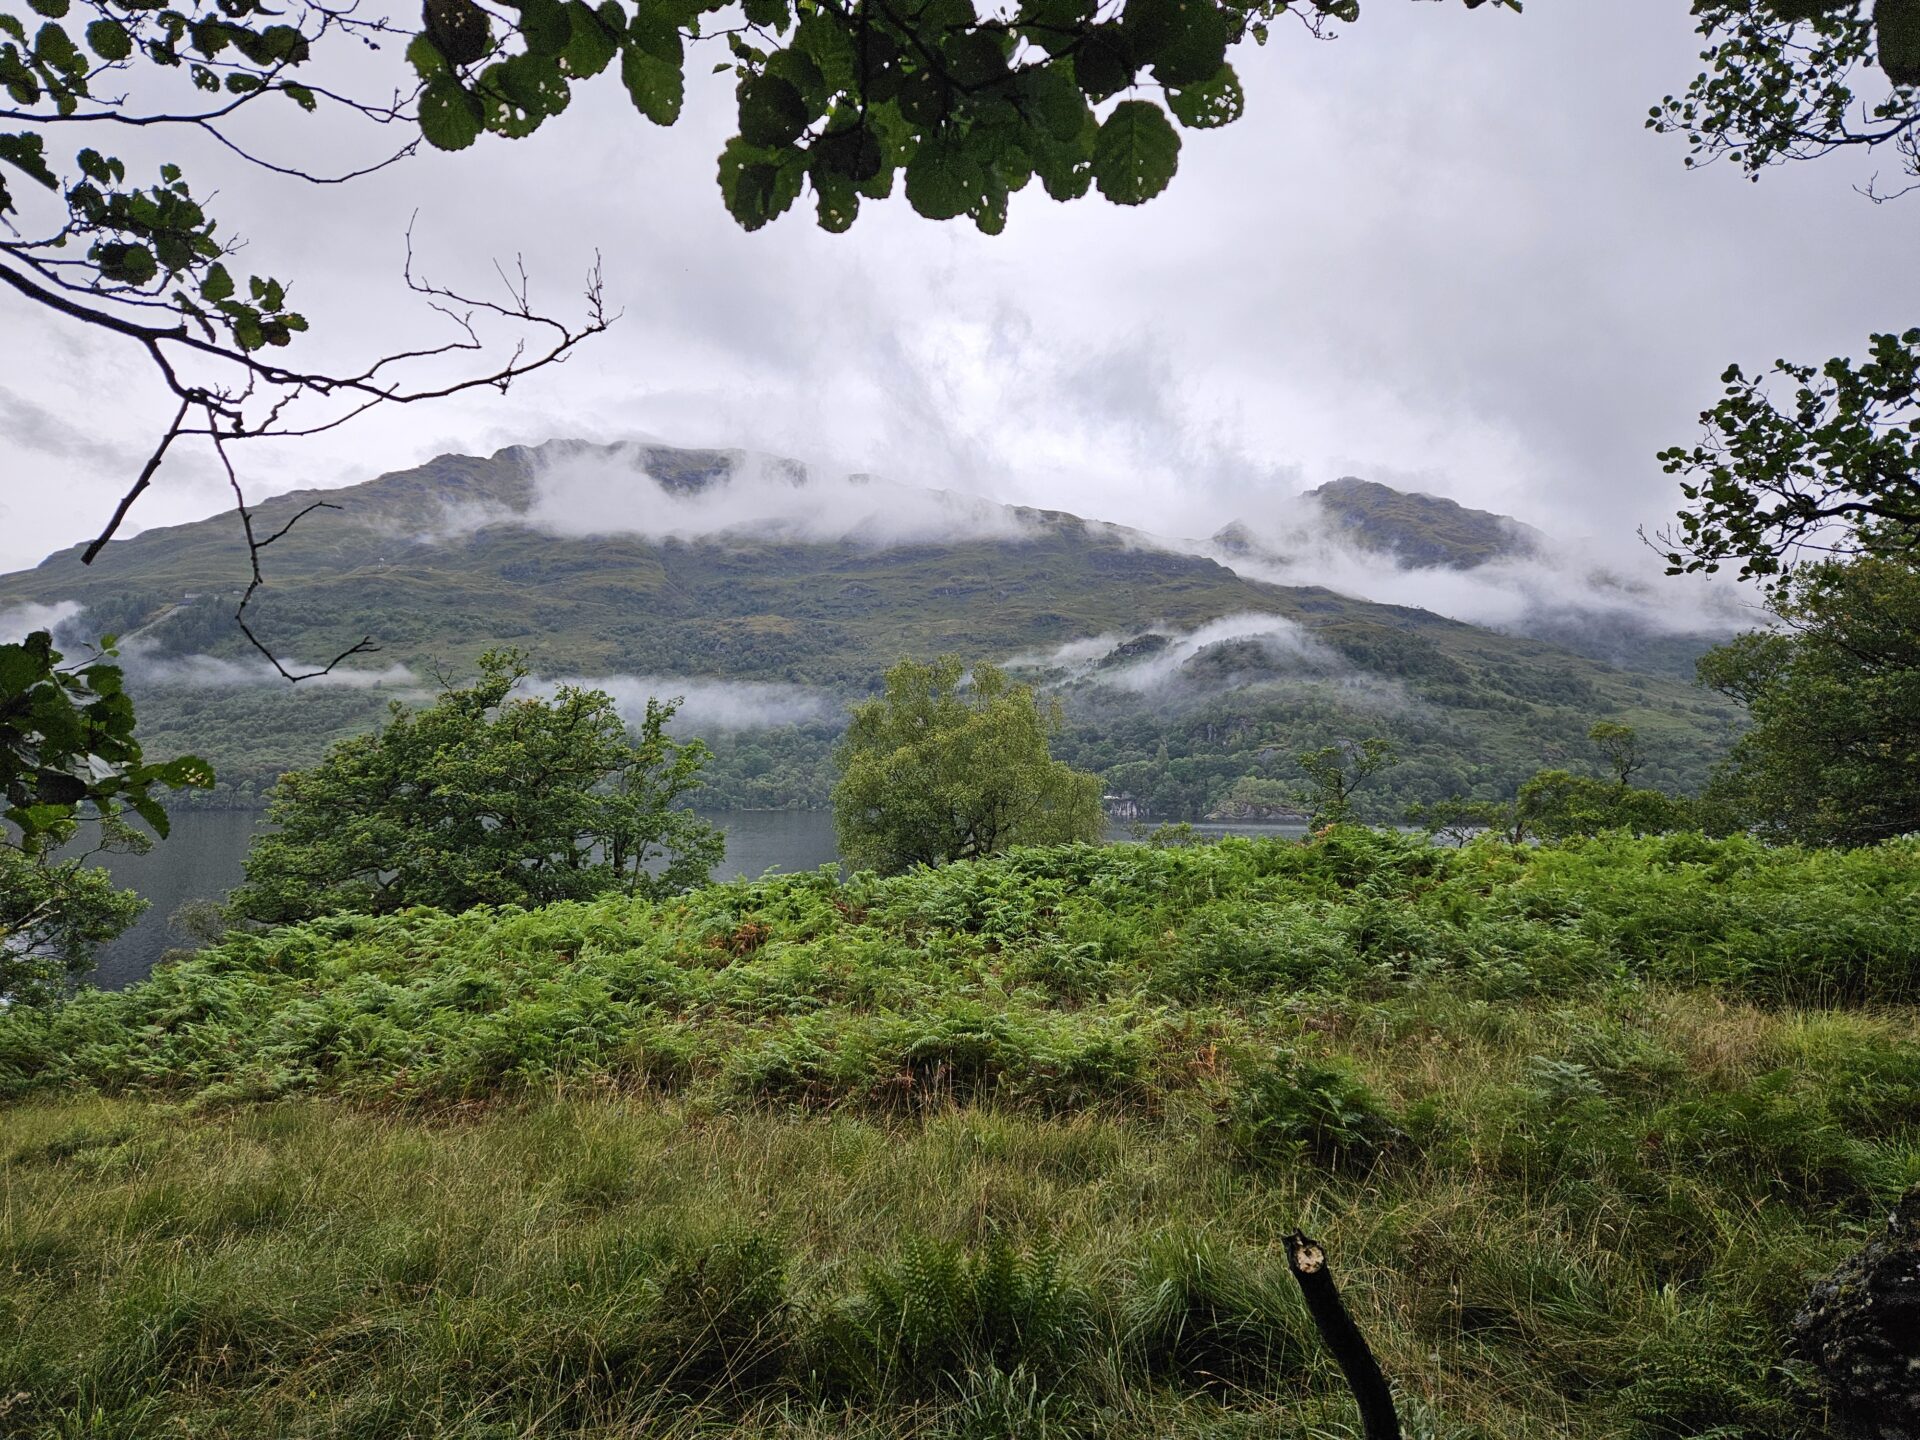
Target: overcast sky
[[1442, 252]]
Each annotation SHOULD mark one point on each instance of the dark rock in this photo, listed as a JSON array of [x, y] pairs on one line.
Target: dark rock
[[1860, 1331]]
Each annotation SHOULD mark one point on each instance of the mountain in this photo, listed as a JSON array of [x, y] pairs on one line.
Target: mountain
[[1414, 529], [772, 598]]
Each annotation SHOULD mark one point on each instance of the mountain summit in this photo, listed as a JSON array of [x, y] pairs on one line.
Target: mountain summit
[[1413, 529], [1422, 530]]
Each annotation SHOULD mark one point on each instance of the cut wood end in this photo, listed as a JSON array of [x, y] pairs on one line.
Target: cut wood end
[[1308, 1259]]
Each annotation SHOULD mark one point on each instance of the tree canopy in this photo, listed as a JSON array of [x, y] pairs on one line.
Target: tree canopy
[[1803, 461], [1833, 755], [484, 798], [69, 761], [946, 766], [1335, 772], [68, 753]]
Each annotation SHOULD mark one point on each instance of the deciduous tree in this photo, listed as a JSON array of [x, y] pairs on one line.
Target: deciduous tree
[[69, 762], [1833, 754], [1335, 772], [484, 798], [945, 767]]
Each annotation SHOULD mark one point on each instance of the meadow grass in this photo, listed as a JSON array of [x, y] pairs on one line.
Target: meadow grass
[[1003, 1150]]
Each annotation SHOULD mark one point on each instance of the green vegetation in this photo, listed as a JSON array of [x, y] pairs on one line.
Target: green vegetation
[[1559, 805], [1834, 752], [67, 747], [1470, 712], [1334, 773], [482, 798], [69, 761], [53, 915], [951, 765], [1000, 1149]]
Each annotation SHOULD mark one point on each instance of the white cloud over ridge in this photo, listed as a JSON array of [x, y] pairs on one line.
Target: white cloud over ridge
[[1165, 659], [1559, 579], [707, 706], [609, 492], [144, 663]]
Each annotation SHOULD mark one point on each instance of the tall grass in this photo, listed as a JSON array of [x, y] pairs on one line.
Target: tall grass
[[1537, 1255], [1002, 1150]]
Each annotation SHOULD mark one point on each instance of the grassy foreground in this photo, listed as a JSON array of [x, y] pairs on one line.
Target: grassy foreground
[[1001, 1150]]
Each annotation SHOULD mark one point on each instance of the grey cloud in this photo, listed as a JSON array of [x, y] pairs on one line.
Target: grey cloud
[[33, 426], [1442, 248]]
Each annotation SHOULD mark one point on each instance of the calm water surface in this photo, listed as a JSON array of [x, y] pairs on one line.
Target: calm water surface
[[201, 861]]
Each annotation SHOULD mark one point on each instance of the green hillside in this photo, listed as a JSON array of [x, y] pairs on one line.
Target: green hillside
[[439, 563]]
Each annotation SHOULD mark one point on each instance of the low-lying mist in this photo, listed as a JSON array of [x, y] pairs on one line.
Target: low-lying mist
[[146, 662], [1236, 652], [1548, 584], [706, 706]]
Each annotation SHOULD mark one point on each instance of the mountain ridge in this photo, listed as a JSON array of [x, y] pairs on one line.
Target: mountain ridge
[[445, 559]]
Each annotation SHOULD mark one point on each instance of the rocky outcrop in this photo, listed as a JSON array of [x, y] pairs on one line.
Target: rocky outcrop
[[1860, 1331]]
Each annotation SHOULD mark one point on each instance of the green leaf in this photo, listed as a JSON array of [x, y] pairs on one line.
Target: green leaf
[[1055, 25], [217, 285], [27, 154], [770, 14], [109, 40], [944, 180], [126, 264], [831, 48], [591, 45], [52, 9], [796, 67], [425, 57], [183, 770], [1103, 65], [656, 84], [852, 151], [450, 115], [546, 27], [1184, 40], [300, 95], [973, 59], [838, 203], [151, 811], [758, 185], [925, 98], [53, 47], [518, 94], [990, 213], [1064, 172], [1215, 102], [1136, 153], [772, 112], [460, 30], [1052, 97]]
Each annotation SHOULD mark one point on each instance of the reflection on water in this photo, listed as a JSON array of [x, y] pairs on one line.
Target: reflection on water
[[201, 861]]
